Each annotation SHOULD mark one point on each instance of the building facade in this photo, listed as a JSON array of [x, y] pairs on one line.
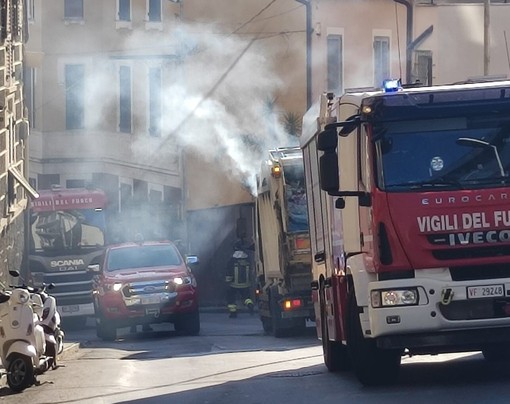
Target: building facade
[[15, 190], [158, 102], [358, 44], [169, 105]]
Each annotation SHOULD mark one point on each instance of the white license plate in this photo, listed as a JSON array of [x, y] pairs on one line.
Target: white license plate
[[73, 308], [151, 300], [479, 292]]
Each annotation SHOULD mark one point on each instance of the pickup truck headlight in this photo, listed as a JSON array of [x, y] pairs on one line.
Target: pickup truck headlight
[[115, 287], [394, 297], [182, 280]]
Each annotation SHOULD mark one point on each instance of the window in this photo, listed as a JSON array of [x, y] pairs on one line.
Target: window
[[125, 196], [30, 9], [29, 89], [75, 96], [334, 63], [73, 9], [381, 59], [155, 10], [46, 181], [125, 99], [75, 183], [155, 101], [422, 68], [3, 20], [124, 10]]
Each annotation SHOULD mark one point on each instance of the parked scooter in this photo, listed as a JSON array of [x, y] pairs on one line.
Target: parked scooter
[[22, 339], [49, 319]]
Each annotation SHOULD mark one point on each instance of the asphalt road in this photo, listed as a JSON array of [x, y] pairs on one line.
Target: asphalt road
[[233, 362]]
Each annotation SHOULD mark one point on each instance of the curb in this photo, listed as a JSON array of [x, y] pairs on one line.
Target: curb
[[69, 349]]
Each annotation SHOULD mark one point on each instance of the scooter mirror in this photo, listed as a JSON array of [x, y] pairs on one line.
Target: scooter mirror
[[14, 273]]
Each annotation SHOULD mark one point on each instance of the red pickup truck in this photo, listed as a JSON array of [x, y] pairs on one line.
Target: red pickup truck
[[142, 283]]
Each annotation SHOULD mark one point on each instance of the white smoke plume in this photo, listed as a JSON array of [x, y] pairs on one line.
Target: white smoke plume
[[219, 103]]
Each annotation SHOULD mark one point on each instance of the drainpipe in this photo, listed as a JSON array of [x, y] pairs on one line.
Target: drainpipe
[[486, 36], [409, 37], [308, 6]]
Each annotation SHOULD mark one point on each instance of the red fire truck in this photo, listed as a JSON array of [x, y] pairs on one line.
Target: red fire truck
[[408, 194], [67, 234]]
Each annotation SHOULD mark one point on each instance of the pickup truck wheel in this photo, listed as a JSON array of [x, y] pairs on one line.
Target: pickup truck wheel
[[373, 366], [105, 330], [188, 323], [335, 354]]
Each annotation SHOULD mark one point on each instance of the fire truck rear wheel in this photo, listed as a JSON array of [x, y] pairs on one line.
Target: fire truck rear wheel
[[335, 354], [267, 325], [373, 366], [277, 328]]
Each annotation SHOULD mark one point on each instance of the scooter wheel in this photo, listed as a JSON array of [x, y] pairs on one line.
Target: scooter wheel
[[51, 353], [20, 372]]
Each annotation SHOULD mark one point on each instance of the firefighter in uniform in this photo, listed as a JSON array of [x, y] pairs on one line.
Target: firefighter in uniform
[[238, 282]]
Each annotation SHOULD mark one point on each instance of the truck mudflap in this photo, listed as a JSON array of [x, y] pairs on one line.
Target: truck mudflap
[[447, 341]]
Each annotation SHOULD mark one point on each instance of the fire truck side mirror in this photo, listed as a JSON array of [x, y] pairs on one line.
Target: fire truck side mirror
[[328, 172], [327, 140], [95, 268]]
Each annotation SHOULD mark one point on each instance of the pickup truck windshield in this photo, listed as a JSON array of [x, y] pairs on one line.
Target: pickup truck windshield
[[144, 256], [442, 154]]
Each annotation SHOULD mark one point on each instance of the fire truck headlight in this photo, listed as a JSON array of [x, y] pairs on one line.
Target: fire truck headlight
[[394, 297]]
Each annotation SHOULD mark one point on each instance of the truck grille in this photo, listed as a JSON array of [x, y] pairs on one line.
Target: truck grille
[[146, 288], [479, 272], [475, 309]]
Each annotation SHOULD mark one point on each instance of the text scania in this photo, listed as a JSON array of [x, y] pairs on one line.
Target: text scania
[[491, 227], [66, 263]]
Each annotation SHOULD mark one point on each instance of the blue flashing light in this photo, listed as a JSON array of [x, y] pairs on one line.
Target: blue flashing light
[[392, 85]]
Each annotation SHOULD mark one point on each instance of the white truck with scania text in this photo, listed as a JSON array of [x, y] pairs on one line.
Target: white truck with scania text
[[408, 195], [282, 244]]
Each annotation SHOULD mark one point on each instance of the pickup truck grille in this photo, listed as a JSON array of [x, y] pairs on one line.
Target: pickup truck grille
[[146, 288]]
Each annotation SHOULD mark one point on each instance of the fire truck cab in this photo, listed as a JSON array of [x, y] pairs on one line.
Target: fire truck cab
[[407, 192]]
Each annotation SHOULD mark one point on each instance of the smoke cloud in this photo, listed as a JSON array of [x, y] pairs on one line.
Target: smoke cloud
[[218, 99]]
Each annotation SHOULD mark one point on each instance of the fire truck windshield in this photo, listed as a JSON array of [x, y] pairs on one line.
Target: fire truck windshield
[[443, 154], [67, 229]]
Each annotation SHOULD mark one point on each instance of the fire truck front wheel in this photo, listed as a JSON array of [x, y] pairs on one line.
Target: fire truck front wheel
[[373, 366], [335, 353], [496, 353]]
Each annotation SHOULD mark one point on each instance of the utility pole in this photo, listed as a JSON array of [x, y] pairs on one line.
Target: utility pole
[[486, 36], [308, 7]]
